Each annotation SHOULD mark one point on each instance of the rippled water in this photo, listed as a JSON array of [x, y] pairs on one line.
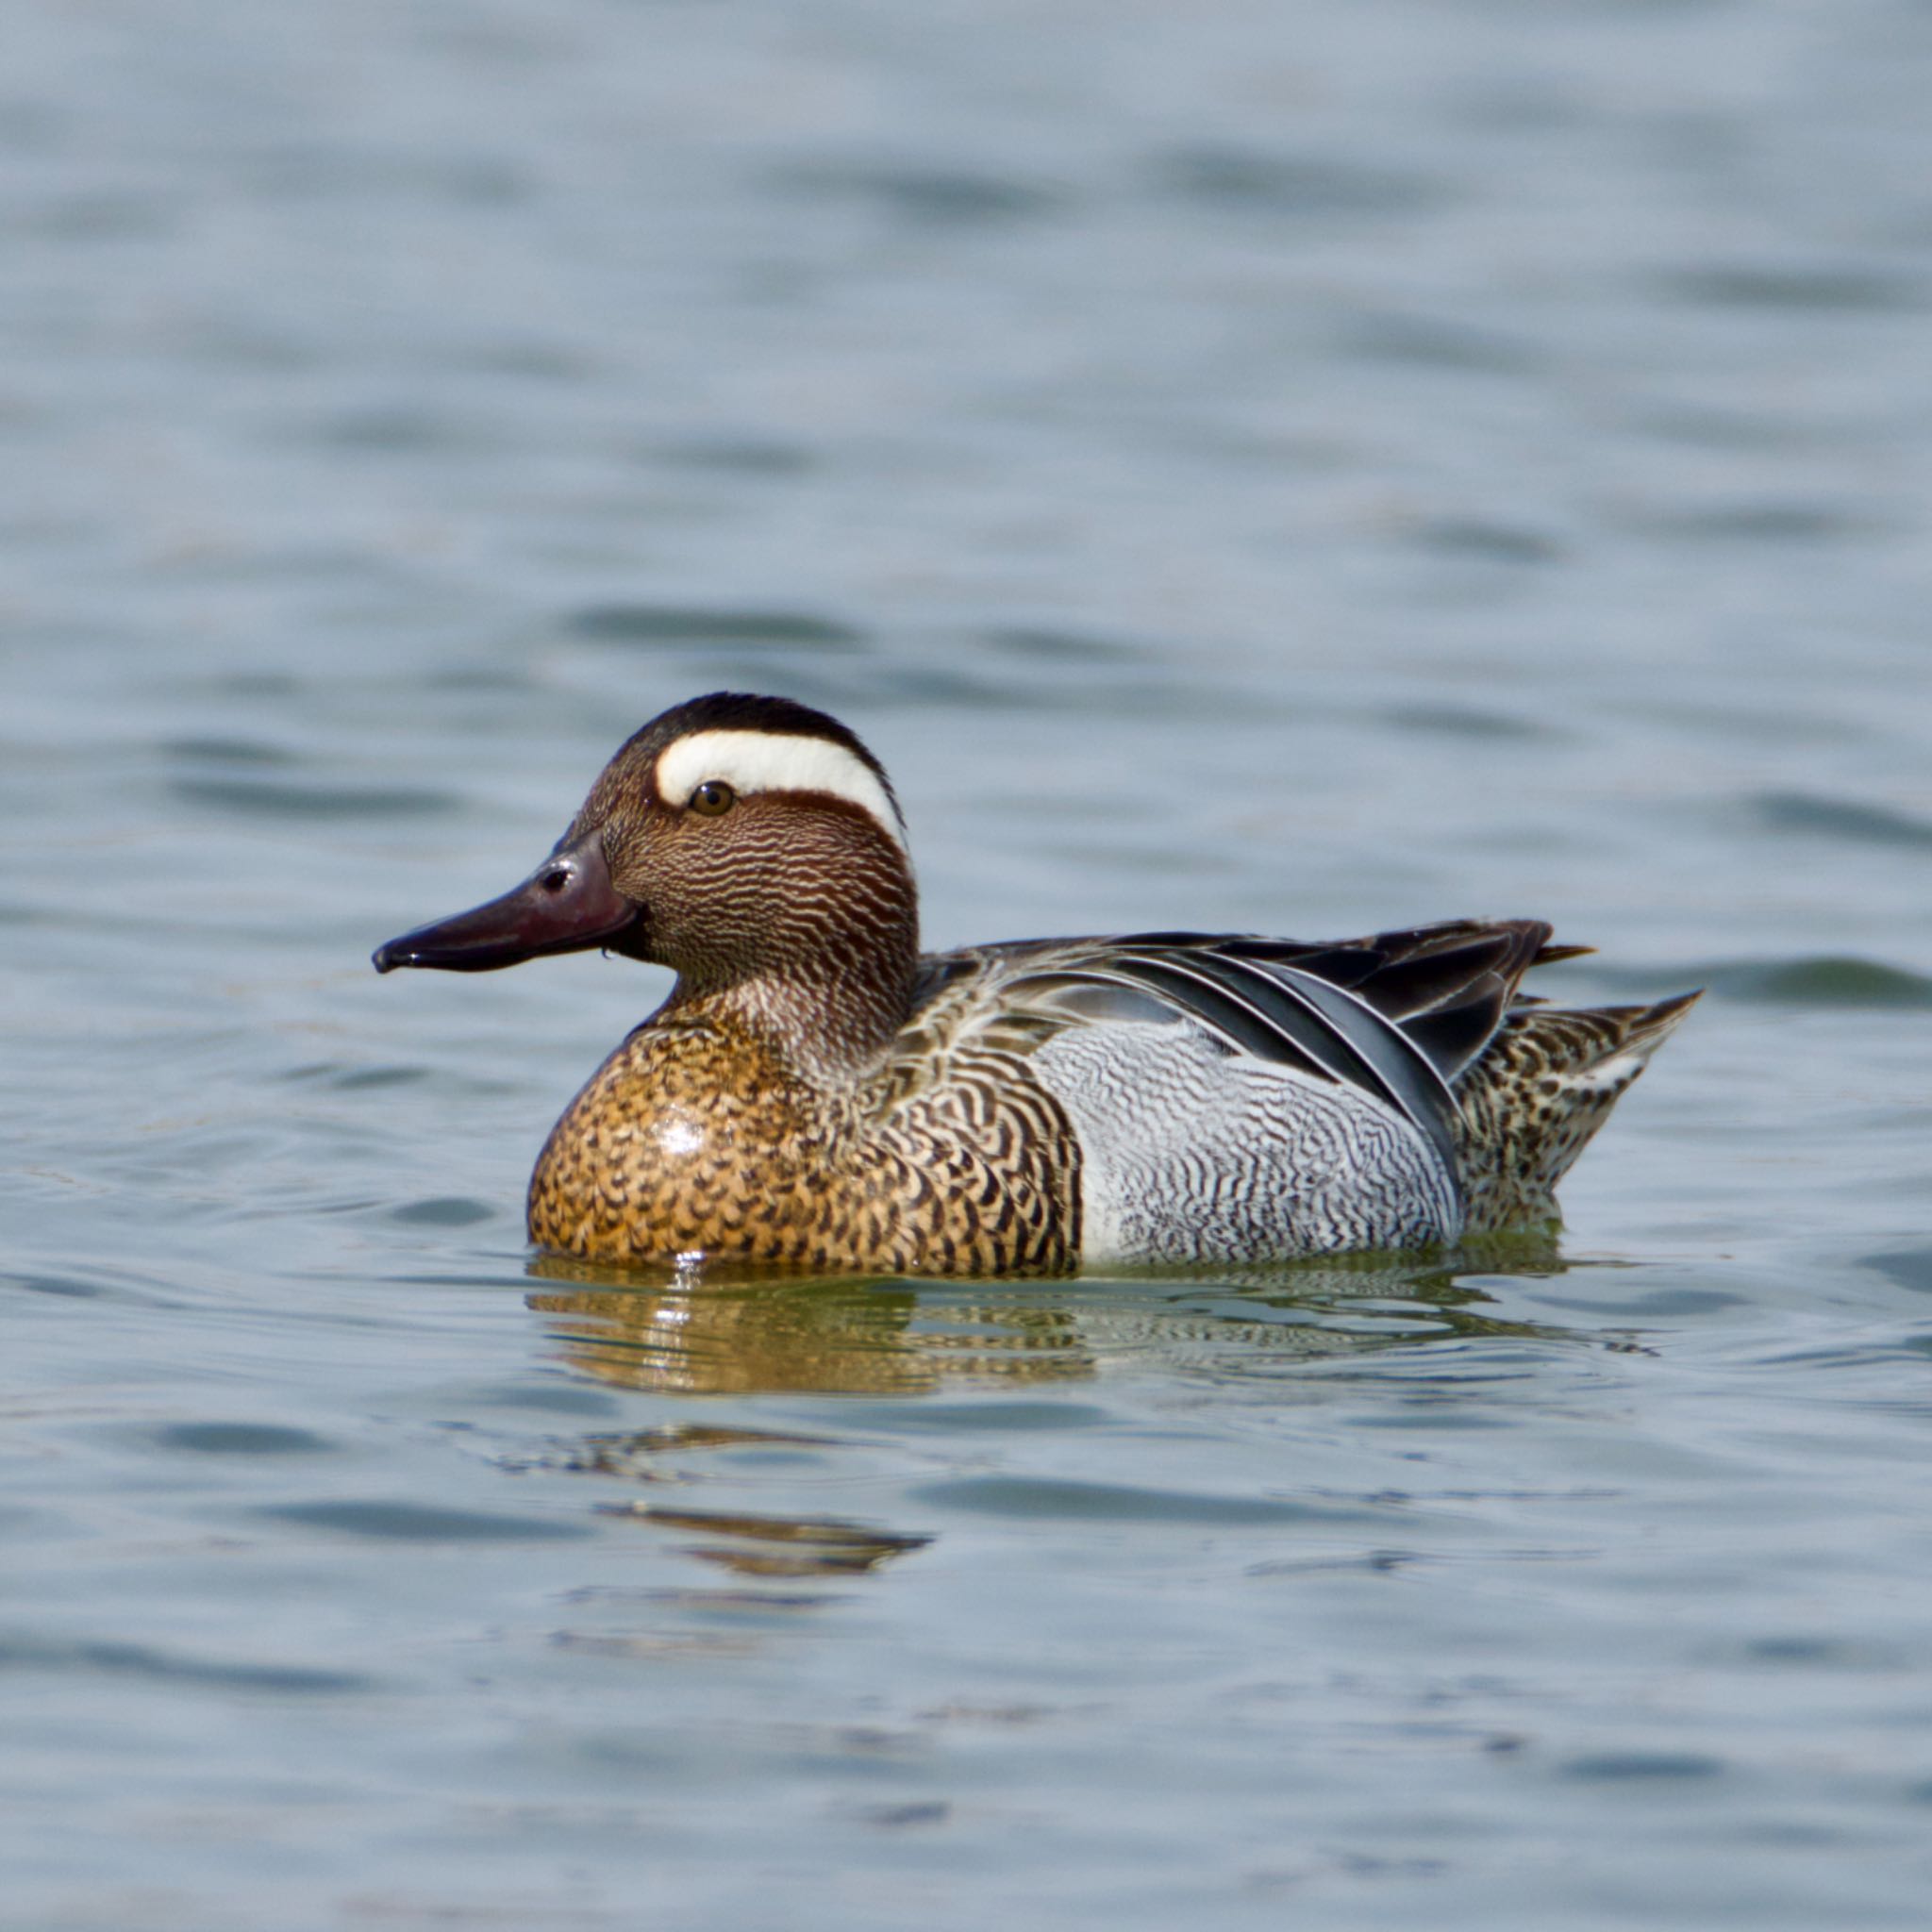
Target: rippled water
[[1304, 468]]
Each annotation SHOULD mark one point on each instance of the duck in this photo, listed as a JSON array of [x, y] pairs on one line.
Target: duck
[[819, 1095]]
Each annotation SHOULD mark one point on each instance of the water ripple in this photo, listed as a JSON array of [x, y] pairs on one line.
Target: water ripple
[[674, 623], [114, 1659], [1842, 817], [241, 1438], [1798, 286], [1828, 979], [1034, 1498], [262, 798], [923, 196], [389, 1520], [1264, 181]]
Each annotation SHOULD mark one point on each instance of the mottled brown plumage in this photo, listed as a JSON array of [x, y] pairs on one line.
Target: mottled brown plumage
[[697, 1137], [816, 1095], [1543, 1084]]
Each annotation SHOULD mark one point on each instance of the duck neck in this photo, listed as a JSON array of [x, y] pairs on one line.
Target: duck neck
[[829, 1016]]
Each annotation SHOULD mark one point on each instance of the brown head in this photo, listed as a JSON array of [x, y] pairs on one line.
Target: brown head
[[749, 844]]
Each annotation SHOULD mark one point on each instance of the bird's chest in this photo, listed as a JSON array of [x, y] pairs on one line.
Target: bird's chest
[[678, 1147]]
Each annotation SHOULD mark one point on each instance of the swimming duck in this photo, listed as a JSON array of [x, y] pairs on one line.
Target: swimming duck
[[816, 1092]]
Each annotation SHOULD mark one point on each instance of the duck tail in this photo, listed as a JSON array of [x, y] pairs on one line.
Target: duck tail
[[1530, 1101]]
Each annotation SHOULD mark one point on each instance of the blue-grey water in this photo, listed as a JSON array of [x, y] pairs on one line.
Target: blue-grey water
[[1277, 466]]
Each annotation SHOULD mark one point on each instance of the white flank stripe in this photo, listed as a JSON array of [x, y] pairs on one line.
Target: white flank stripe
[[752, 762]]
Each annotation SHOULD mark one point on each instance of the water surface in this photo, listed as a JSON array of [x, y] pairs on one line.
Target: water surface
[[1303, 469]]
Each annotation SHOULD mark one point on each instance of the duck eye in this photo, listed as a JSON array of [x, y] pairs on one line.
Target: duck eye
[[713, 797]]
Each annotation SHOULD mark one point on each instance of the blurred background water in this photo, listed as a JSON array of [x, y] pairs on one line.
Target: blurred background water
[[1298, 467]]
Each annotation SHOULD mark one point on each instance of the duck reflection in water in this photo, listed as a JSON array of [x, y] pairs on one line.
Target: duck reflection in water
[[725, 1330]]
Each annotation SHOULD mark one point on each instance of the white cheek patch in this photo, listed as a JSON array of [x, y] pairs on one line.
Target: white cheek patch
[[752, 762]]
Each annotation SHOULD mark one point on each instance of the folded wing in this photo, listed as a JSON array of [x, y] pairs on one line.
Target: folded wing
[[1399, 1015]]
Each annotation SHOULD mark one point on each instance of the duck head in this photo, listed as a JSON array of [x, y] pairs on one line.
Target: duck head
[[751, 844]]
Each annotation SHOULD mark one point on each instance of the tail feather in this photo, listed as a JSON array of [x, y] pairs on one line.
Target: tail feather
[[1530, 1102]]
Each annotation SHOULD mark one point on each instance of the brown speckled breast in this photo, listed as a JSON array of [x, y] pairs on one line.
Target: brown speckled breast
[[693, 1137]]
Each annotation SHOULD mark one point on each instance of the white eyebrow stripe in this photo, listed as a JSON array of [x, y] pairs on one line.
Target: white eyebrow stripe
[[752, 762]]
